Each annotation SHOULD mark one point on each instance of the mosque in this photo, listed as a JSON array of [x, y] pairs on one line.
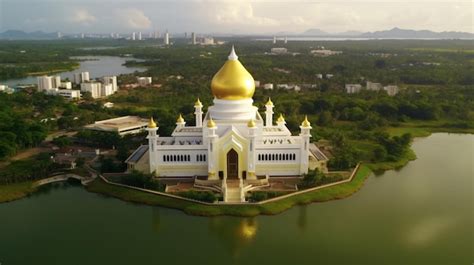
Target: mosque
[[232, 149]]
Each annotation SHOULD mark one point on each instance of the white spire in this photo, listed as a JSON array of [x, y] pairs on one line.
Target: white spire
[[232, 55]]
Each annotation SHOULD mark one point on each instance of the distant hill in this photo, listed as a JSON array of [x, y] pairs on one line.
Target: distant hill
[[417, 34], [21, 35], [315, 32]]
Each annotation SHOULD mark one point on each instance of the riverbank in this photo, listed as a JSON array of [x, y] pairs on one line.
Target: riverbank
[[326, 194], [16, 191]]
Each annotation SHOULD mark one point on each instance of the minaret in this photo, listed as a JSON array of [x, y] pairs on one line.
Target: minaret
[[269, 113], [180, 122], [274, 39], [198, 112], [281, 121], [212, 138], [152, 137], [305, 135], [251, 153]]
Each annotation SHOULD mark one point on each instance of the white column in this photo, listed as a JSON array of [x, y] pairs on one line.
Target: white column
[[269, 113], [251, 159], [304, 154], [212, 151], [152, 137], [198, 113]]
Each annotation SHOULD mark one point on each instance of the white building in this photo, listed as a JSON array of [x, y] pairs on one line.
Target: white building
[[268, 86], [6, 89], [122, 125], [111, 80], [319, 76], [193, 38], [144, 80], [231, 147], [95, 88], [139, 35], [66, 85], [133, 37], [353, 88], [392, 90], [325, 53], [56, 81], [373, 86], [279, 50], [106, 90], [44, 83], [81, 77], [68, 93]]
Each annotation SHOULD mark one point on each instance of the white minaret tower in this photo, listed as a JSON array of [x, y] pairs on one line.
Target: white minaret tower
[[180, 122], [305, 135], [281, 121], [152, 137], [211, 149], [251, 153], [274, 39], [198, 112], [269, 113]]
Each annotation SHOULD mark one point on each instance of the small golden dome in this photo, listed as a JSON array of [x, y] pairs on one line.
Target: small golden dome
[[233, 81], [180, 119], [211, 123], [281, 118], [306, 123], [269, 103], [198, 103], [251, 124], [151, 123]]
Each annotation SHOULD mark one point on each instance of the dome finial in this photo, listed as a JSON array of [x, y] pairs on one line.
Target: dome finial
[[233, 55], [151, 123]]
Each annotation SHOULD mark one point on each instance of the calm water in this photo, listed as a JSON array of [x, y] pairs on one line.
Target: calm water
[[422, 214], [97, 66]]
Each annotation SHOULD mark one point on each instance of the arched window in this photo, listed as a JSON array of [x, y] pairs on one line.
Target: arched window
[[189, 157], [279, 157]]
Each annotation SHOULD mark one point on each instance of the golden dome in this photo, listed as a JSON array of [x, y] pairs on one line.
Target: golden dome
[[233, 81], [280, 118], [251, 124], [211, 123], [306, 123], [198, 103], [180, 119], [269, 103], [151, 123]]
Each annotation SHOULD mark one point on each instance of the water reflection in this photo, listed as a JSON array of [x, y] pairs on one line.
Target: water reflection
[[235, 234], [156, 219], [302, 217]]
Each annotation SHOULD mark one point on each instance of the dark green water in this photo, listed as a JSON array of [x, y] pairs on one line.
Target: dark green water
[[422, 214]]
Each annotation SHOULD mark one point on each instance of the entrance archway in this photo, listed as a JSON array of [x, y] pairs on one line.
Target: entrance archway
[[232, 164]]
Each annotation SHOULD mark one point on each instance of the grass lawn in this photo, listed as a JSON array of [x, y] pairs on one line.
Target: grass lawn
[[326, 194], [15, 191]]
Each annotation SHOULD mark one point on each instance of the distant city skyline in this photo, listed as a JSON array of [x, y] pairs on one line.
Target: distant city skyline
[[238, 17]]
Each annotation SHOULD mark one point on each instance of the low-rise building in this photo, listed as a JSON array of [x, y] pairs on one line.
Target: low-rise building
[[353, 88], [257, 83], [391, 90], [268, 86], [122, 125], [374, 86], [144, 81], [279, 50], [319, 76], [68, 93], [325, 53]]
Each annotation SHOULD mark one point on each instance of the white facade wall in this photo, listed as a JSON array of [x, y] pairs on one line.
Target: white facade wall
[[45, 83], [94, 88], [353, 88], [106, 90], [111, 80]]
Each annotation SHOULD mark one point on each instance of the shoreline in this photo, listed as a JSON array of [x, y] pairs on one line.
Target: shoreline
[[20, 190]]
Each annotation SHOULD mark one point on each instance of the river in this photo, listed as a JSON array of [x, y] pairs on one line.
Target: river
[[420, 214], [97, 66]]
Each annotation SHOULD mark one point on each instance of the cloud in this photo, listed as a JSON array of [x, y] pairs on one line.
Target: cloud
[[134, 18], [238, 13], [83, 16]]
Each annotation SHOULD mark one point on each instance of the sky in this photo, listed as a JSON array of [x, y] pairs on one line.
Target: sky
[[237, 16]]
